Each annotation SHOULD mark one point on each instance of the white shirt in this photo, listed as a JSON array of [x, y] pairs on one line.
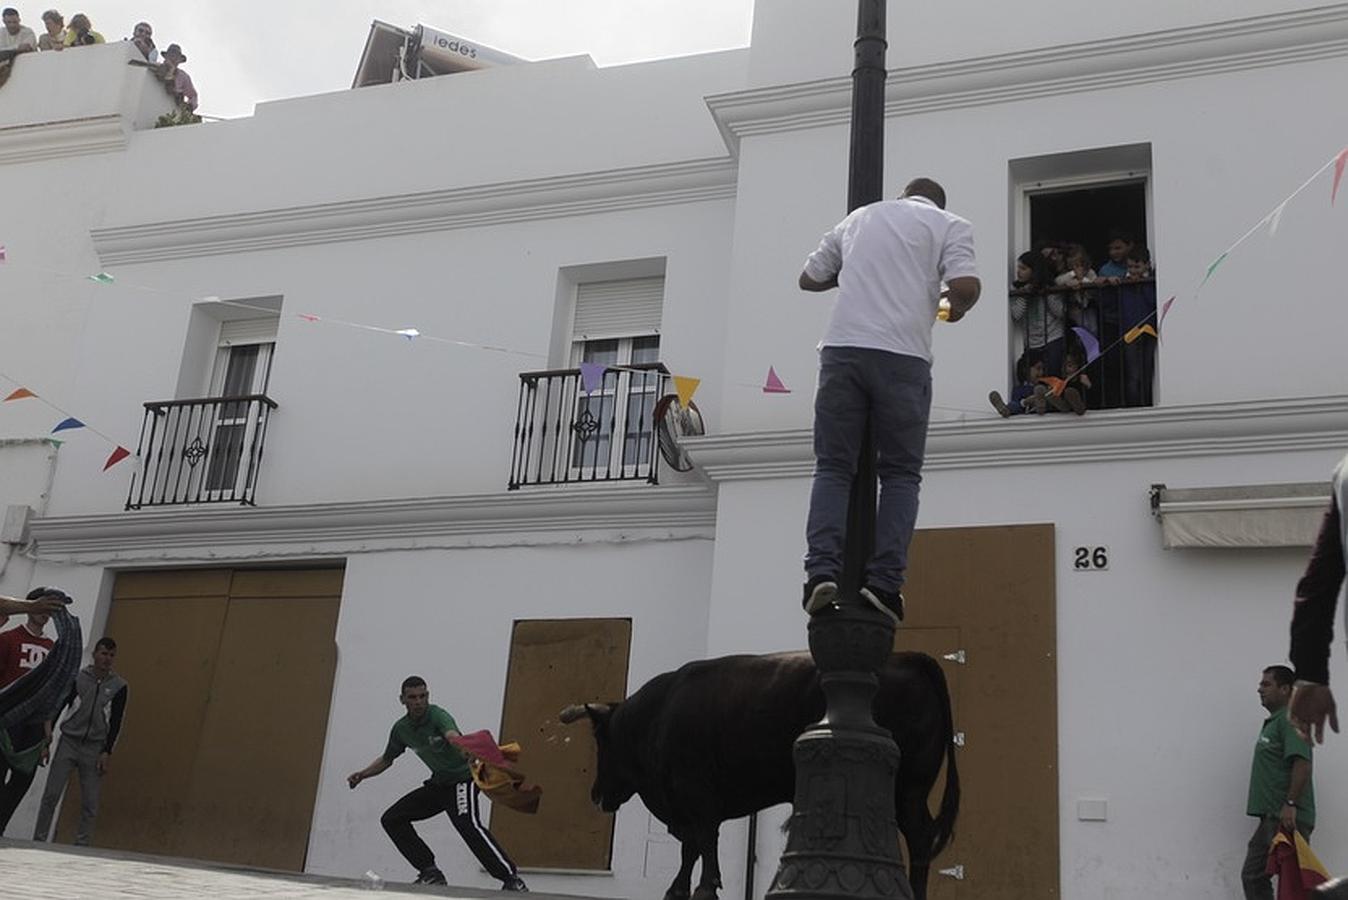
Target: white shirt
[[25, 38], [890, 258]]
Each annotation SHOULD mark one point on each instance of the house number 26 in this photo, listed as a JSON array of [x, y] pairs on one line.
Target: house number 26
[[1090, 559]]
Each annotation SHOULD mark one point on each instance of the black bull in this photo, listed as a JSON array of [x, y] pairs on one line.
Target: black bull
[[712, 741]]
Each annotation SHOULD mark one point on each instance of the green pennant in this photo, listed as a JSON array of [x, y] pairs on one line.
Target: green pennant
[[102, 278], [56, 442], [1212, 268]]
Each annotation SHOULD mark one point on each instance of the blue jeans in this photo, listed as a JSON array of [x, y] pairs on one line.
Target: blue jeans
[[895, 391]]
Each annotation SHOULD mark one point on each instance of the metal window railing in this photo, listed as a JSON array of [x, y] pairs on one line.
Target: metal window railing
[[565, 434], [207, 450], [1124, 375]]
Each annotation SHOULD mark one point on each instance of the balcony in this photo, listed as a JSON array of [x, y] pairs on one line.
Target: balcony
[[200, 451], [1124, 375], [564, 434]]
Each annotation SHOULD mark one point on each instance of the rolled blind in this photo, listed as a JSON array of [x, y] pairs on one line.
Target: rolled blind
[[248, 331], [618, 308]]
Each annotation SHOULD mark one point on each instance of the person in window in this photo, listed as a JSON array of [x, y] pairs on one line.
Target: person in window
[[1028, 396], [1081, 303], [15, 36], [1115, 269], [81, 33], [1137, 307], [1041, 313], [1074, 371], [175, 79], [143, 38], [54, 38]]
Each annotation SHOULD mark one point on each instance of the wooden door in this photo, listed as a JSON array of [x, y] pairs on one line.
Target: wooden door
[[553, 664], [230, 677], [990, 593]]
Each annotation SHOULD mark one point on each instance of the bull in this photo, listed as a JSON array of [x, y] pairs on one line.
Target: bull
[[711, 741]]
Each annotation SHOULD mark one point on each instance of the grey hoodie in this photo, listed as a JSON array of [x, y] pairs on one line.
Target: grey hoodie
[[99, 706]]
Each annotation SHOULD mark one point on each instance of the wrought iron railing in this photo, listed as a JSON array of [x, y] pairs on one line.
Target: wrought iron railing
[[1121, 317], [564, 433], [200, 451]]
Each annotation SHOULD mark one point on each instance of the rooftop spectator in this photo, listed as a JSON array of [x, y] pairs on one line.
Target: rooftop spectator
[[16, 36], [54, 38], [178, 82], [143, 37], [81, 33]]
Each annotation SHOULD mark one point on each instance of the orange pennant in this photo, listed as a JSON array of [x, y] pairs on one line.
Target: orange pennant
[[20, 394], [685, 387], [1056, 384]]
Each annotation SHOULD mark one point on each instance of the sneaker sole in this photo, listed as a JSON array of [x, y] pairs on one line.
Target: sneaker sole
[[879, 606], [823, 595]]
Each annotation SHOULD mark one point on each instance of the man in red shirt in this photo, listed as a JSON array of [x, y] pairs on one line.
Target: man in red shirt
[[22, 649]]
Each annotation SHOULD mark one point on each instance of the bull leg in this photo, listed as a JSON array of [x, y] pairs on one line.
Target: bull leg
[[710, 882], [682, 885], [919, 832]]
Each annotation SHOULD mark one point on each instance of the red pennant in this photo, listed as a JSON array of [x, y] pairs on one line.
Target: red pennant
[[20, 394], [307, 317], [117, 456], [1339, 162]]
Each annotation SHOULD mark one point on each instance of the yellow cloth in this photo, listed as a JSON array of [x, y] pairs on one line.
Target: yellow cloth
[[506, 786], [71, 37]]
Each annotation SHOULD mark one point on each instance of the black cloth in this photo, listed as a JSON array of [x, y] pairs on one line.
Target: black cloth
[[15, 785], [460, 802], [1317, 596]]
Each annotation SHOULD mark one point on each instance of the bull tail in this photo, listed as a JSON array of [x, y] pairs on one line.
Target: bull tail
[[950, 799]]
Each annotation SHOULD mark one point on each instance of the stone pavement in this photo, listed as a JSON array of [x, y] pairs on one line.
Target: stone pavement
[[70, 873]]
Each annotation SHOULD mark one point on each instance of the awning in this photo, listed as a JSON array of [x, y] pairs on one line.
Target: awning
[[1264, 515]]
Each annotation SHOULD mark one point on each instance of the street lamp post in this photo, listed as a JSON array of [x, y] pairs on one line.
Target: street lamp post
[[844, 839]]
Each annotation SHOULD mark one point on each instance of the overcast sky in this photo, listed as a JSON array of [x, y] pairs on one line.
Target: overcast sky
[[242, 52]]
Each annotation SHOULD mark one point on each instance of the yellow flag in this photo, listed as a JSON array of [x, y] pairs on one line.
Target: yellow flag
[[685, 387], [1135, 333]]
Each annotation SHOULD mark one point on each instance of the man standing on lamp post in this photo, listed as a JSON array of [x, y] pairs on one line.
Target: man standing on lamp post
[[887, 260]]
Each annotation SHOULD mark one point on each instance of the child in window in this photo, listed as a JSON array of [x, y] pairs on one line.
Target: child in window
[[1137, 307], [1081, 303], [1040, 313], [1028, 395]]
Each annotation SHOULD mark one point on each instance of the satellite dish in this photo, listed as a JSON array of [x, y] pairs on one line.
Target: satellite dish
[[672, 422]]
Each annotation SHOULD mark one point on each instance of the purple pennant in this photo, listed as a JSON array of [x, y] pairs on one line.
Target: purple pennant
[[1090, 343], [67, 424], [592, 376]]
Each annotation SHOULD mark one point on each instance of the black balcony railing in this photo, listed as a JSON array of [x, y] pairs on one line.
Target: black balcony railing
[[565, 434], [1124, 375], [200, 451]]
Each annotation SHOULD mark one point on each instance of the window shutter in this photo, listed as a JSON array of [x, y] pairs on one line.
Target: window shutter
[[248, 331], [625, 308]]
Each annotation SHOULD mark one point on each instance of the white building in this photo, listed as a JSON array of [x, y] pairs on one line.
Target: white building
[[524, 218]]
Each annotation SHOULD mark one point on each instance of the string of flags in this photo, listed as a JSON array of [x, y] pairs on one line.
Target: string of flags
[[69, 423]]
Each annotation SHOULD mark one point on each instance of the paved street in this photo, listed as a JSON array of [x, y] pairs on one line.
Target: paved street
[[75, 874]]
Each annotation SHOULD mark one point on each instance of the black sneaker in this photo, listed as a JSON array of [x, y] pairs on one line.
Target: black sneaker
[[515, 883], [888, 602], [1000, 405], [430, 875], [820, 592]]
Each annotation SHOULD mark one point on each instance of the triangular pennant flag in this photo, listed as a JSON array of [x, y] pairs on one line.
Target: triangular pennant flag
[[102, 278], [19, 394], [1339, 162], [56, 442], [1057, 385], [685, 387], [1212, 268], [67, 424], [774, 384], [307, 317], [116, 456], [592, 376], [408, 333], [1165, 308], [1275, 218], [1137, 332], [3, 257], [1090, 343]]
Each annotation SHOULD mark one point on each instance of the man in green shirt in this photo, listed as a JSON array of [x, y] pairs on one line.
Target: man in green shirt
[[1281, 796], [426, 730]]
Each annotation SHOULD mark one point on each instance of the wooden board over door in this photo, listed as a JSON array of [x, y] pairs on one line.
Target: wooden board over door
[[991, 592], [231, 676], [553, 664]]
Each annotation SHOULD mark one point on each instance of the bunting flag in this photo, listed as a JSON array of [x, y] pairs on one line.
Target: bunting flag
[[1339, 162], [1275, 218], [685, 387], [1090, 343], [1212, 268], [774, 384], [19, 394], [2, 253], [408, 333], [67, 424], [1056, 385], [116, 456], [592, 376], [1137, 331], [1165, 308], [102, 278], [56, 442], [307, 317]]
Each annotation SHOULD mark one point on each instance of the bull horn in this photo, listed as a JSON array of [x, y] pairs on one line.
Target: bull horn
[[572, 714]]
